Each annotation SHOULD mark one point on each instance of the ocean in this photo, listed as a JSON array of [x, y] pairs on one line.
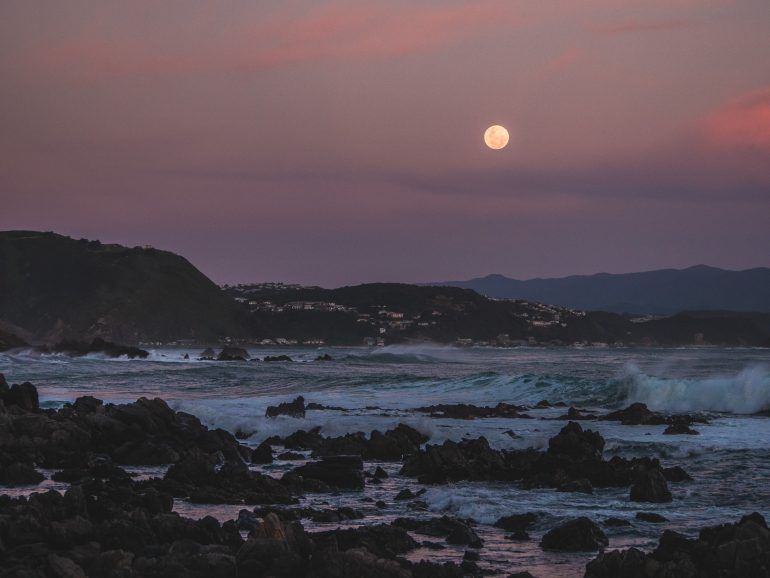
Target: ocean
[[378, 388]]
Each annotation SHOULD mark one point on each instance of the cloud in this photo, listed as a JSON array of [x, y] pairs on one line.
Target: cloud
[[743, 124], [335, 31], [632, 26]]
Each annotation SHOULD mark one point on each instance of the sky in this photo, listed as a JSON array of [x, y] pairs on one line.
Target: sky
[[338, 142]]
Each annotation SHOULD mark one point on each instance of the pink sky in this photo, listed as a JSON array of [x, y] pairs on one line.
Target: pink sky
[[340, 142]]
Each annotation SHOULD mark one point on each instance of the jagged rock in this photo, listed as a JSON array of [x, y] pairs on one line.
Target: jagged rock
[[676, 474], [233, 354], [680, 425], [294, 408], [616, 522], [469, 411], [208, 354], [635, 414], [344, 472], [579, 535], [98, 345], [87, 404], [728, 551], [273, 358], [262, 454], [516, 522], [576, 414], [19, 474], [574, 443], [23, 395], [650, 486], [454, 530]]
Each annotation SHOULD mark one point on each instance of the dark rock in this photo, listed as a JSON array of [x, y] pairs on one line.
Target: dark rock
[[24, 396], [650, 486], [455, 531], [472, 555], [576, 414], [676, 474], [87, 404], [468, 411], [516, 522], [262, 454], [728, 551], [651, 517], [290, 456], [273, 358], [380, 474], [635, 414], [574, 443], [233, 354], [97, 345], [579, 535], [405, 494], [542, 404], [294, 408], [680, 425], [324, 357], [343, 472], [19, 474], [208, 354], [616, 522], [582, 486]]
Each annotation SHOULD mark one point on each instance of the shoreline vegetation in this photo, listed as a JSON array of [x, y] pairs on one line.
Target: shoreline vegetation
[[107, 522]]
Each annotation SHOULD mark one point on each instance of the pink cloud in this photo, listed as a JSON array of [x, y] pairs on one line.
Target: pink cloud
[[741, 124], [634, 25], [334, 31]]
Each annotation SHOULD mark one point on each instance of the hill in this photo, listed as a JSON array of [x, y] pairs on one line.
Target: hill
[[55, 287], [395, 313], [660, 292]]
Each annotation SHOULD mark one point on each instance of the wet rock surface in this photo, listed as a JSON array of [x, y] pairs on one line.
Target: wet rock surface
[[469, 411], [573, 462], [726, 551], [579, 535]]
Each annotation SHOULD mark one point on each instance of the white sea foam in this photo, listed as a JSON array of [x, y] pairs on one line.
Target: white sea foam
[[745, 392]]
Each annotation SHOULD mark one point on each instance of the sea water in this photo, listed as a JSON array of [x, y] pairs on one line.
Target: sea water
[[378, 388]]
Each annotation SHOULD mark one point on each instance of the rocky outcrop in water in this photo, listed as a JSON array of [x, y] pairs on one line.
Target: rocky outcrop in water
[[98, 345], [726, 551], [392, 445], [579, 535], [294, 408], [145, 432], [469, 411], [573, 462]]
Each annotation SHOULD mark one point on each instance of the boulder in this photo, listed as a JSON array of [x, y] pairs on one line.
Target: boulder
[[728, 551], [579, 535], [635, 414], [342, 472], [262, 454], [24, 396], [651, 517], [574, 443], [650, 486], [233, 354]]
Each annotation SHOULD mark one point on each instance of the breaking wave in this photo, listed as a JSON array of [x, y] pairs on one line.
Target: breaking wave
[[745, 392]]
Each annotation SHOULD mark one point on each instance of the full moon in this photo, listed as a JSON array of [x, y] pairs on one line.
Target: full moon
[[496, 137]]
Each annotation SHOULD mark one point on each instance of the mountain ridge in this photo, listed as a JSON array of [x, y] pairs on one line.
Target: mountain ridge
[[656, 292]]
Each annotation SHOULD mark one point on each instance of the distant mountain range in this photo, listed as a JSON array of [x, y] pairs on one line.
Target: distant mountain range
[[54, 287], [665, 291]]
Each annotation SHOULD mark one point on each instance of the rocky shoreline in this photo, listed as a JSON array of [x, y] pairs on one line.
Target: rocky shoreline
[[109, 523]]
